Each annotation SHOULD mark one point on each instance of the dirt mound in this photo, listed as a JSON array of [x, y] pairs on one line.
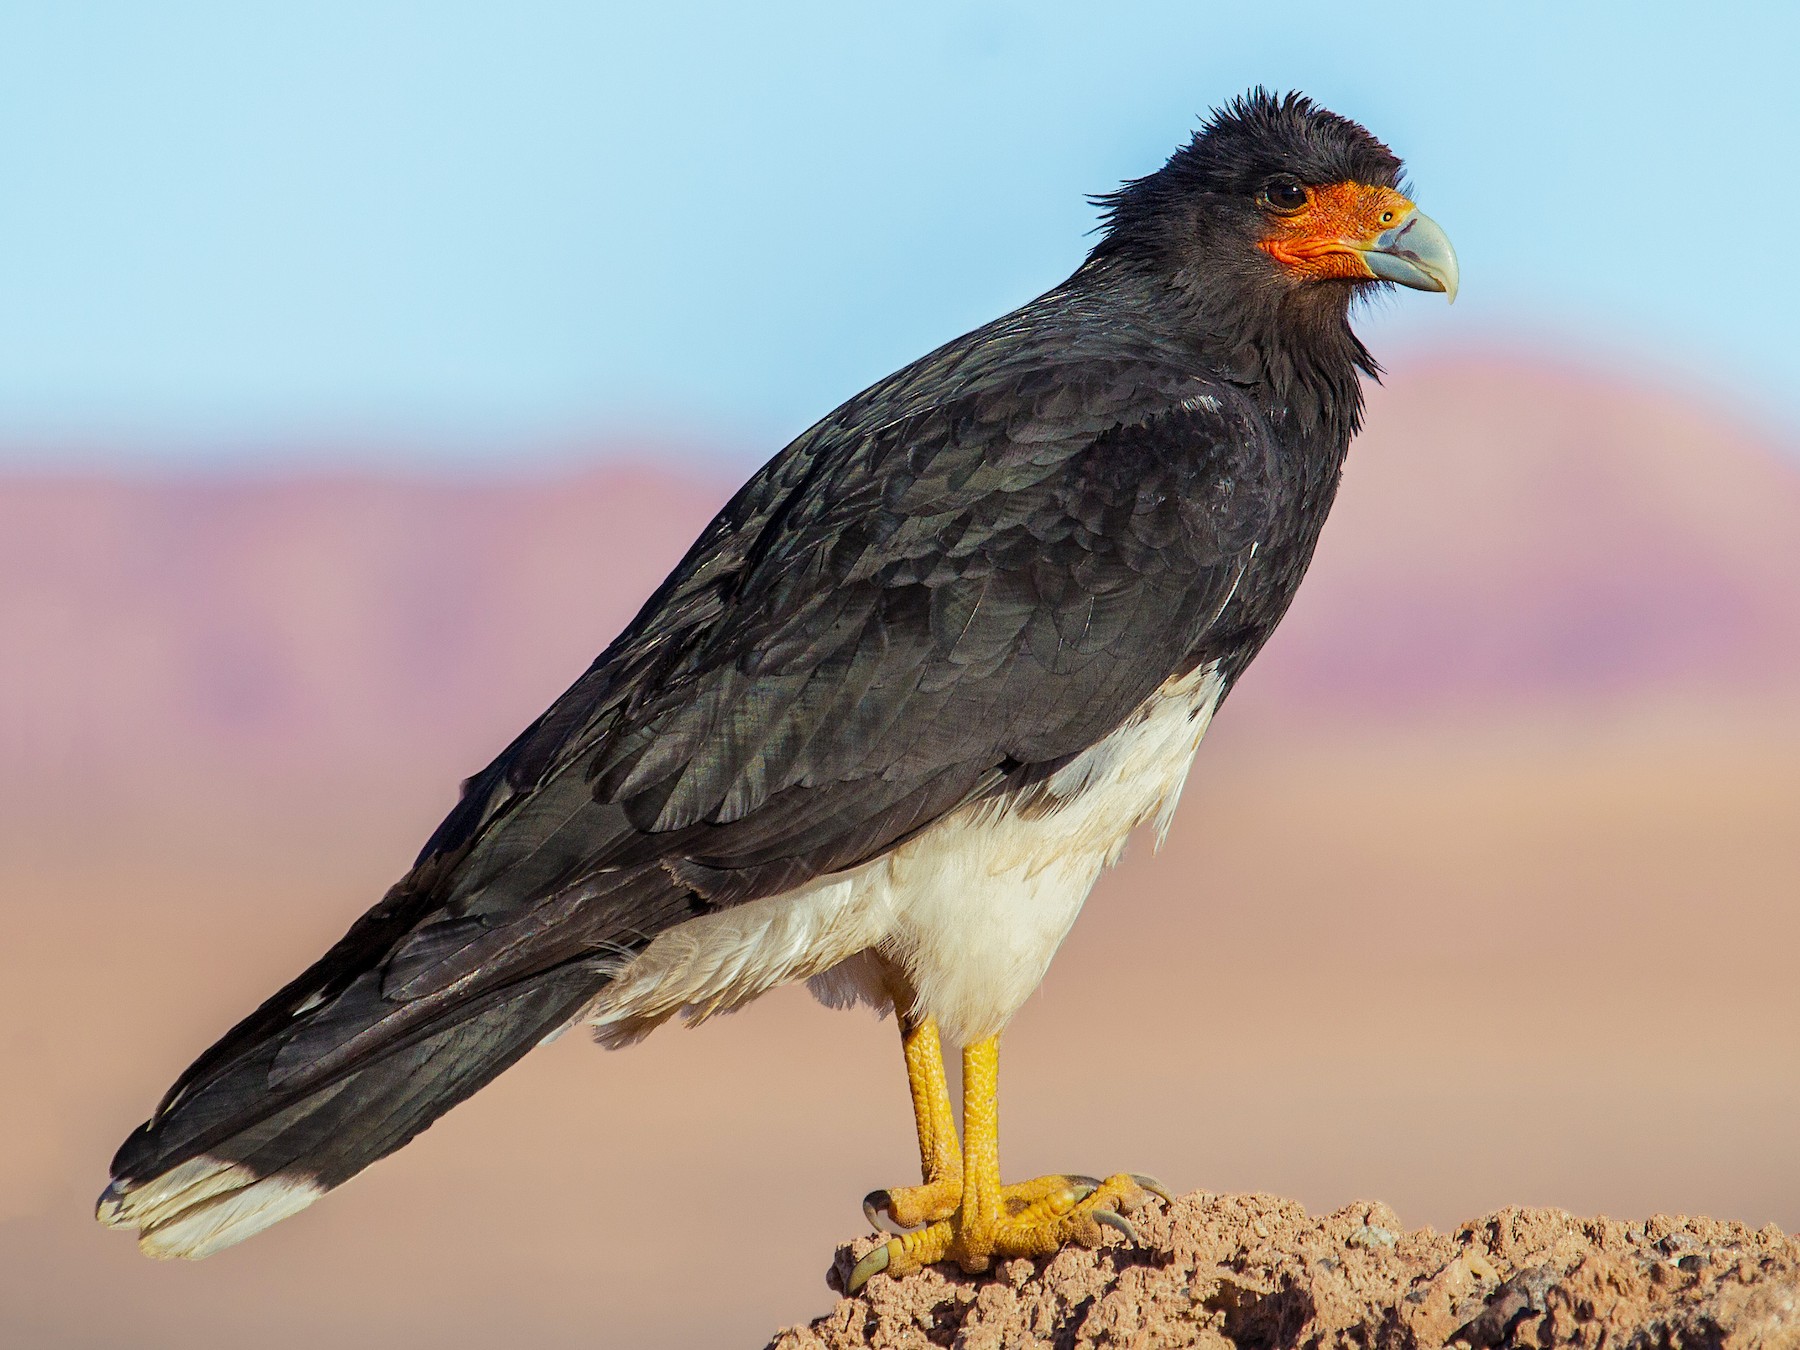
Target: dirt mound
[[1242, 1271]]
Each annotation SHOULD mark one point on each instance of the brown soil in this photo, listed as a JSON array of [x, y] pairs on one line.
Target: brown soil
[[1237, 1272]]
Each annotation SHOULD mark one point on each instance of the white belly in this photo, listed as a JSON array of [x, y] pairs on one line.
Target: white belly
[[972, 908]]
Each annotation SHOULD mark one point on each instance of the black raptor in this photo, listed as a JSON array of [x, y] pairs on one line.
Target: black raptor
[[884, 725]]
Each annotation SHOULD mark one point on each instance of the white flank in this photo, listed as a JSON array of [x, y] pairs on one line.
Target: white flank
[[716, 962], [973, 908], [202, 1206]]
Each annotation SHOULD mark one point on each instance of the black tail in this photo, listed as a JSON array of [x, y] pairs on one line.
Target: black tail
[[232, 1150]]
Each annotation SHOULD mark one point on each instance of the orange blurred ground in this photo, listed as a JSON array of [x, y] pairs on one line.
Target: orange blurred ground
[[1485, 890], [1549, 965]]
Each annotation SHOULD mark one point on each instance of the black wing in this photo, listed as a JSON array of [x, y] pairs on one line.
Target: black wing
[[892, 620], [948, 588]]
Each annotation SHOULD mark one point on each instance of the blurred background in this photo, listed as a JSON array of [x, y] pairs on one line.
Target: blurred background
[[363, 366]]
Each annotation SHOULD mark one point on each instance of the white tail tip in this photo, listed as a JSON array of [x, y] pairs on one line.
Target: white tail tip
[[203, 1206]]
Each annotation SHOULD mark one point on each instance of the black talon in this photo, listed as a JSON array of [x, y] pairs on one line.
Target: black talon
[[1155, 1187], [1115, 1220], [875, 1205], [873, 1263]]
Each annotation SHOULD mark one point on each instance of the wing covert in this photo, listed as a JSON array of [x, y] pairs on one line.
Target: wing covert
[[956, 596]]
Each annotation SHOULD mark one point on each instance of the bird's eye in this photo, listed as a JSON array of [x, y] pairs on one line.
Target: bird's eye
[[1285, 195]]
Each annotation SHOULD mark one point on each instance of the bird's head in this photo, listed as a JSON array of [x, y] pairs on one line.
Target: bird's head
[[1276, 203]]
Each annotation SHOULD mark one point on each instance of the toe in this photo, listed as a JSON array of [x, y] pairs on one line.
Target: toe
[[1059, 1190], [902, 1255], [903, 1208]]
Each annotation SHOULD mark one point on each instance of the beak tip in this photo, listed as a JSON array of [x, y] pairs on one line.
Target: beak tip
[[1416, 253]]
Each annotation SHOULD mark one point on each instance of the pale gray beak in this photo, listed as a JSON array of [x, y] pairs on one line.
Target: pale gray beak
[[1415, 253]]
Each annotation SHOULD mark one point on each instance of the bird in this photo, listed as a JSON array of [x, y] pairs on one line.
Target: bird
[[884, 725]]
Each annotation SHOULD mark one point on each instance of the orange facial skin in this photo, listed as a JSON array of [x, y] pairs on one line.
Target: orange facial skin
[[1324, 239]]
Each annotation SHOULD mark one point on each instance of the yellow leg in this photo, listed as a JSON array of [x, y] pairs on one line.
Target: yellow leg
[[995, 1221], [940, 1159]]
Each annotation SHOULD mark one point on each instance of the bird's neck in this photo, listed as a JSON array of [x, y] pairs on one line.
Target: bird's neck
[[1308, 378], [1294, 353]]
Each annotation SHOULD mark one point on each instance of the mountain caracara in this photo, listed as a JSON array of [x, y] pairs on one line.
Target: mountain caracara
[[884, 725]]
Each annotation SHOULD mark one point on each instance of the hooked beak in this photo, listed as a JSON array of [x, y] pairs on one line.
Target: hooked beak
[[1414, 253]]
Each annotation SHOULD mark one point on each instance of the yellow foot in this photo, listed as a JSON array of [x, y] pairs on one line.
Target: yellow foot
[[1033, 1218], [903, 1207]]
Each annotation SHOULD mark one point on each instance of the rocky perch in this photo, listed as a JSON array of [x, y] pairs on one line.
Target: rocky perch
[[1237, 1272]]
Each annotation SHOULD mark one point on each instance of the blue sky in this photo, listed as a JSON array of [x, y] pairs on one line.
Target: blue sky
[[450, 232]]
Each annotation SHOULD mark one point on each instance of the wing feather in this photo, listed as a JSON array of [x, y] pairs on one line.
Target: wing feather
[[960, 579]]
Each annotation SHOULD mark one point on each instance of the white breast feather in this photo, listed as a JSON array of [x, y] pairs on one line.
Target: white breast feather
[[973, 908]]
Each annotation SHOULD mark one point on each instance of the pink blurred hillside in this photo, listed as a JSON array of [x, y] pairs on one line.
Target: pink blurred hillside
[[1507, 533], [1481, 893]]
